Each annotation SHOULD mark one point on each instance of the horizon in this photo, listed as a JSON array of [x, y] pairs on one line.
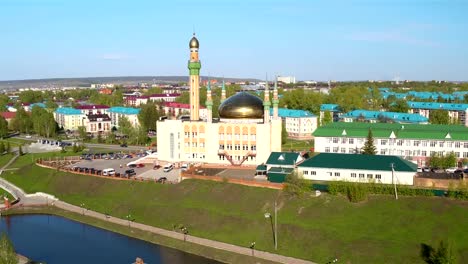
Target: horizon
[[324, 40]]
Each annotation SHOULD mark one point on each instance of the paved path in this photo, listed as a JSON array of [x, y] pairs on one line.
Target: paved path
[[27, 199]]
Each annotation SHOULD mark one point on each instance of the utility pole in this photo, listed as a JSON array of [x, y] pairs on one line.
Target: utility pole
[[276, 228], [393, 180]]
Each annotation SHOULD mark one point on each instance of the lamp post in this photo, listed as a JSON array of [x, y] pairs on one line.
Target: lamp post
[[82, 206], [274, 229], [185, 231], [252, 246], [129, 217]]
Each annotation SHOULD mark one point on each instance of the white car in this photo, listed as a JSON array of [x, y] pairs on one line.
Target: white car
[[451, 170], [168, 167], [28, 136]]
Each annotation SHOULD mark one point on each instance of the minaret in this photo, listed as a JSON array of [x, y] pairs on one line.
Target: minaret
[[275, 101], [223, 93], [194, 67], [209, 103], [266, 104]]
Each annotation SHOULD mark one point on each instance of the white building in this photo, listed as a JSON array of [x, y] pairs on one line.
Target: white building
[[358, 168], [286, 79], [410, 141], [131, 114], [299, 124], [177, 109]]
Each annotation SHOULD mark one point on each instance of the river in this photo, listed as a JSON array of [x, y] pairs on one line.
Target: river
[[55, 239]]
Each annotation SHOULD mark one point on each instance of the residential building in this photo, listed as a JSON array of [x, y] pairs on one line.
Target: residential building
[[378, 116], [286, 79], [8, 116], [98, 123], [358, 168], [410, 141], [69, 118], [177, 109], [334, 109], [300, 124], [117, 112], [457, 112], [93, 109]]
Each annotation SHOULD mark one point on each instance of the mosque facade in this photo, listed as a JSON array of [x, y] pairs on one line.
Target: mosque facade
[[244, 133]]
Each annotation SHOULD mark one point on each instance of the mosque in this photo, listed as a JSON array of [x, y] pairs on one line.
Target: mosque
[[244, 133]]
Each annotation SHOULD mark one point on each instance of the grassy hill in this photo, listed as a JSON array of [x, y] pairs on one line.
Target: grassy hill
[[380, 230]]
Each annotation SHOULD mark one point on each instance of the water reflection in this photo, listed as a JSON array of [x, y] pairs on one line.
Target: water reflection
[[55, 239]]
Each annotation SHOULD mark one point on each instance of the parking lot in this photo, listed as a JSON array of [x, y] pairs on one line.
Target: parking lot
[[146, 171]]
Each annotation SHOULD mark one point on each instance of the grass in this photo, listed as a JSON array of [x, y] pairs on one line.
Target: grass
[[220, 255], [380, 230], [14, 142], [4, 159], [4, 193], [296, 145]]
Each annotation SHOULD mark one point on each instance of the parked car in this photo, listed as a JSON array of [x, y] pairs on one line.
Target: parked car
[[465, 171], [168, 167], [157, 166], [28, 136], [108, 172], [458, 172], [184, 167], [426, 169], [162, 180], [132, 165], [124, 145], [451, 170], [130, 172], [140, 165], [419, 169]]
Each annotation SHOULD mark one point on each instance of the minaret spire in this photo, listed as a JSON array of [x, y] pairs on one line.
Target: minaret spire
[[266, 103], [275, 99], [209, 102], [194, 67], [223, 92]]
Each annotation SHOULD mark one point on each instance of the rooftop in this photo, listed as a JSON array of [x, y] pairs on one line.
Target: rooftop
[[358, 162], [284, 112], [68, 111], [179, 105], [397, 117], [86, 107], [283, 159], [436, 105], [104, 117], [330, 107], [125, 110], [385, 130]]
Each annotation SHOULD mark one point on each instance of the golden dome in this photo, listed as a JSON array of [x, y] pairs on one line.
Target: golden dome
[[193, 44], [241, 106]]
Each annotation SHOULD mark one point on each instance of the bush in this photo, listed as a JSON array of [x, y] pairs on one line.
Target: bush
[[356, 192], [459, 191], [295, 184]]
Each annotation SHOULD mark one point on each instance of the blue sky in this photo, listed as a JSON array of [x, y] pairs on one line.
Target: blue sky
[[312, 40]]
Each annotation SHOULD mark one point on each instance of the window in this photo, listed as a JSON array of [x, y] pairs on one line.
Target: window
[[457, 144], [327, 149], [221, 147], [433, 143], [369, 176], [361, 175], [335, 149], [457, 154], [408, 142], [351, 141], [305, 172], [465, 144], [424, 143], [245, 137], [229, 136], [378, 176], [343, 150], [360, 140], [441, 144], [337, 174], [424, 153], [343, 140], [450, 144], [465, 154], [221, 136], [335, 140], [252, 137], [313, 173], [253, 147], [400, 142], [237, 136], [353, 175], [383, 142]]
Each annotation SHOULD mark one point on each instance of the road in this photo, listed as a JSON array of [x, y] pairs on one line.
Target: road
[[89, 145]]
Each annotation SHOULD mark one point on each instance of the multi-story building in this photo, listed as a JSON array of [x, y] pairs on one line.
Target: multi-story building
[[334, 109], [377, 116], [136, 101], [69, 118], [299, 124], [117, 112], [457, 112], [286, 79], [98, 123], [92, 109], [410, 141], [177, 109]]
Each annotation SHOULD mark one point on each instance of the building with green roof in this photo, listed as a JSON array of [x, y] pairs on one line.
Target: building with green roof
[[410, 141], [358, 168]]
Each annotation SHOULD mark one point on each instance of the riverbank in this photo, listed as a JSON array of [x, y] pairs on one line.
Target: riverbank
[[192, 248]]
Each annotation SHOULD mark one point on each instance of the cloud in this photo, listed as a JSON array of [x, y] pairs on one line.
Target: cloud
[[114, 56]]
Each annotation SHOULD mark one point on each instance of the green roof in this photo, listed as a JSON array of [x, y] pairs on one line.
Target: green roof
[[261, 168], [278, 170], [358, 161], [282, 158], [402, 131]]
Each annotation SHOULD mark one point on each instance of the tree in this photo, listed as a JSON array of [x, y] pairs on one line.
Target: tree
[[442, 255], [399, 106], [3, 127], [7, 251], [44, 122], [125, 127], [284, 133], [82, 133], [20, 150], [327, 118], [439, 117], [22, 121], [8, 147], [369, 147], [148, 116], [2, 147]]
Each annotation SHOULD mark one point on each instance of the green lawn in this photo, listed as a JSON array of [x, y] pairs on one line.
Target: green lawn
[[380, 230], [297, 145], [4, 159]]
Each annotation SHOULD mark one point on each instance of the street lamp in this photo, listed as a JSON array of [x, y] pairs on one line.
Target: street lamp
[[185, 231], [129, 217], [273, 229], [82, 205], [252, 246]]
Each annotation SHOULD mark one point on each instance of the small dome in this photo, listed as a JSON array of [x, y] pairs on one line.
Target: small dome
[[241, 106], [194, 43]]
